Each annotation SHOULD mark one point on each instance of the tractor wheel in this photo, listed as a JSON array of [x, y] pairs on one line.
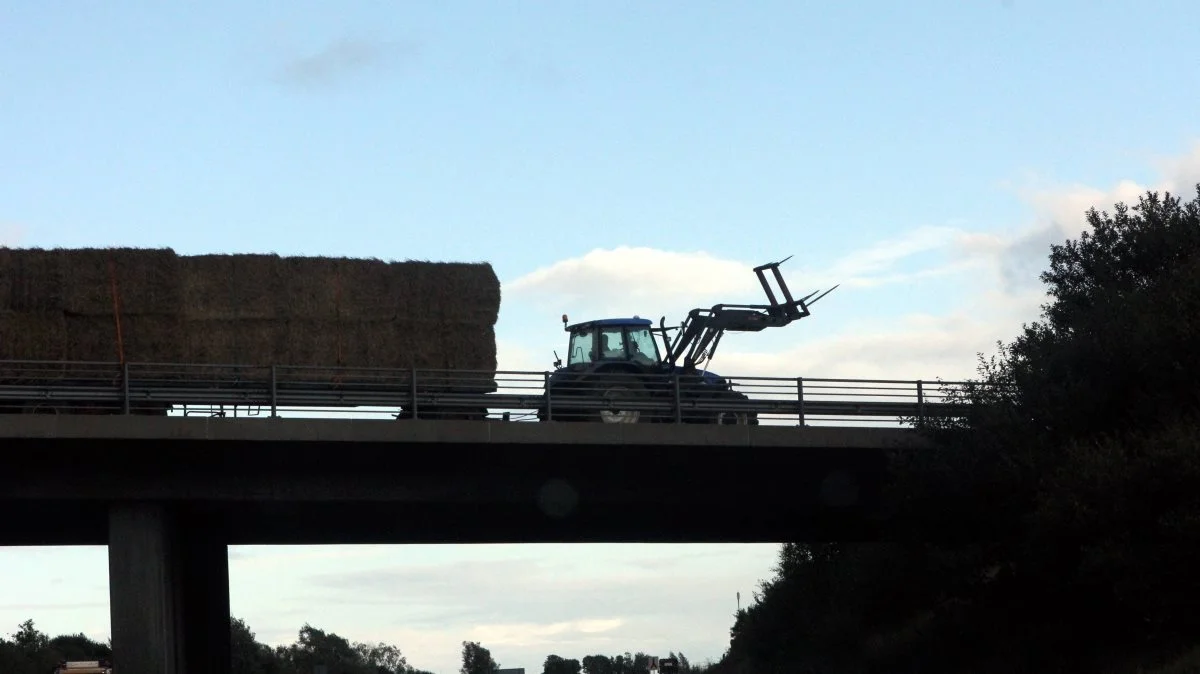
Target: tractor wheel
[[614, 393], [736, 418]]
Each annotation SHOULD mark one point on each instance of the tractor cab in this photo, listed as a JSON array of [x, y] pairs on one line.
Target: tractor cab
[[612, 340]]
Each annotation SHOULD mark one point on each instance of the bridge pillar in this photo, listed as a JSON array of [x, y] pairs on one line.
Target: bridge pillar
[[168, 592]]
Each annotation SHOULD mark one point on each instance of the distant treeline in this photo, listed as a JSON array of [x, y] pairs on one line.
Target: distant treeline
[[29, 651]]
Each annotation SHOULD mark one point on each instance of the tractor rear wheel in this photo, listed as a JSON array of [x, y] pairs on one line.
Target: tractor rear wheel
[[733, 419], [740, 418], [614, 393]]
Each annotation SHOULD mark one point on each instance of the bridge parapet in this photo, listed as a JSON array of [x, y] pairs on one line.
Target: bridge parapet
[[147, 389]]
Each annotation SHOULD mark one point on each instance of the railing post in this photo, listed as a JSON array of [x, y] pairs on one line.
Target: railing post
[[800, 398], [274, 392], [549, 397], [678, 400], [920, 402], [125, 388], [412, 391]]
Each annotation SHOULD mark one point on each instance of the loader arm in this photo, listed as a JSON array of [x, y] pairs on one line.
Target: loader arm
[[701, 331]]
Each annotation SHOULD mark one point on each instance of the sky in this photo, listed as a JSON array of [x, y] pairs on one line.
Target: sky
[[607, 159]]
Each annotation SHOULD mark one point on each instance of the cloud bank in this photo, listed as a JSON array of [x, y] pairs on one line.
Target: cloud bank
[[999, 268]]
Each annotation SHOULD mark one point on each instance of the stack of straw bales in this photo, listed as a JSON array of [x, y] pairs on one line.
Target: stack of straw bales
[[245, 309]]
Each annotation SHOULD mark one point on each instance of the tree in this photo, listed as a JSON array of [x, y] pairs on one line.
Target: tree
[[1080, 433], [477, 660], [382, 658], [317, 647], [555, 664], [598, 664], [29, 639], [1058, 511], [248, 655], [78, 647]]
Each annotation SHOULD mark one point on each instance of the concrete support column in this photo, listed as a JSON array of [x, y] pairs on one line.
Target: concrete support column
[[168, 592]]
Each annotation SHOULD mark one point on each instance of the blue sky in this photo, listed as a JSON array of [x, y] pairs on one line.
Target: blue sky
[[606, 158]]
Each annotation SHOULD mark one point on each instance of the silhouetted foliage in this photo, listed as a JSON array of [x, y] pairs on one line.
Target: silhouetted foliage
[[1061, 512], [477, 660], [558, 665], [29, 651]]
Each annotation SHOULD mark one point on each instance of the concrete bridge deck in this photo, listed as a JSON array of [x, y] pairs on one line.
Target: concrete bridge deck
[[409, 432], [168, 495], [311, 481]]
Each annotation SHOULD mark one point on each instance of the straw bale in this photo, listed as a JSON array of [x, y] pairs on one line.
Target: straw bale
[[455, 291], [468, 347], [148, 282], [372, 290], [31, 280], [33, 336], [406, 344], [436, 346], [314, 342], [231, 287], [331, 289], [144, 339], [251, 309], [251, 341], [470, 350], [306, 288]]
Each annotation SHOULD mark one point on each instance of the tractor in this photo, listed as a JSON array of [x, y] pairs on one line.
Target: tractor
[[615, 363]]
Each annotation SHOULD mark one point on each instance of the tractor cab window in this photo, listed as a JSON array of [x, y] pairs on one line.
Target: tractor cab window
[[642, 347], [582, 347], [612, 343]]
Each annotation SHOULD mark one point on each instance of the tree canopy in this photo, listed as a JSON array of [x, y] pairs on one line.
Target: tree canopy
[[1061, 511]]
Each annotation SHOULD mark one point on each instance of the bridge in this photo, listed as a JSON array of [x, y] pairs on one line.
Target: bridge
[[221, 390], [168, 493]]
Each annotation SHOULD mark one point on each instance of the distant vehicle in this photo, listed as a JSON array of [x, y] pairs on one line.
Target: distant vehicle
[[619, 360], [668, 666], [84, 667]]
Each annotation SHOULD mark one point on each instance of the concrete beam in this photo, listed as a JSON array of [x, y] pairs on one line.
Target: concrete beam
[[293, 430], [168, 593], [300, 480]]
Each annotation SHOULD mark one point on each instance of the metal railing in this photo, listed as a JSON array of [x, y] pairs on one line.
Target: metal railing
[[240, 390]]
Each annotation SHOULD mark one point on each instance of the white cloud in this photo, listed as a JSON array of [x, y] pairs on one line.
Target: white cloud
[[633, 274], [609, 281], [1001, 267], [515, 357], [534, 634], [1059, 214], [921, 346]]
